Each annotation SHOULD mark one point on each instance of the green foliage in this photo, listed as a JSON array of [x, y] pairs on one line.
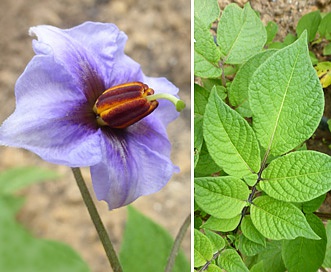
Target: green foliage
[[222, 197], [302, 254], [203, 249], [15, 179], [242, 35], [257, 102], [310, 23], [327, 259], [19, 250], [146, 246]]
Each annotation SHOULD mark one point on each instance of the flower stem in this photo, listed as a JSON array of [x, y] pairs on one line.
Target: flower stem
[[103, 235], [176, 245]]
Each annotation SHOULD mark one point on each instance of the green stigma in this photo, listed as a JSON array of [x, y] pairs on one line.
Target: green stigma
[[179, 104]]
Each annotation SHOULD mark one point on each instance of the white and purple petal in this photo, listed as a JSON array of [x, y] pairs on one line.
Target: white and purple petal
[[51, 117], [135, 163]]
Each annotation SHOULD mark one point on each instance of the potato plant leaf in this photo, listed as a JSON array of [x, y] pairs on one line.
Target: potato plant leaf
[[298, 176], [250, 232], [221, 224], [206, 52], [248, 247], [217, 241], [238, 91], [222, 197], [286, 99], [303, 254], [230, 260], [272, 257], [203, 249], [230, 139], [207, 11], [327, 259], [309, 22], [241, 34], [279, 220]]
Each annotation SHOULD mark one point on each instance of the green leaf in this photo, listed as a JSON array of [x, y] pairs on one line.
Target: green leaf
[[141, 239], [206, 52], [20, 251], [286, 99], [205, 166], [222, 197], [207, 11], [258, 267], [303, 254], [238, 92], [15, 179], [327, 259], [324, 28], [313, 58], [203, 249], [251, 232], [251, 179], [230, 139], [309, 22], [220, 224], [312, 205], [327, 50], [217, 241], [204, 68], [272, 257], [209, 83], [272, 29], [230, 260], [200, 99], [213, 268], [298, 176], [279, 220], [241, 34], [198, 138], [248, 247]]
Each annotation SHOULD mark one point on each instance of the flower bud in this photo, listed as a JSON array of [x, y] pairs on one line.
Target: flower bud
[[124, 105]]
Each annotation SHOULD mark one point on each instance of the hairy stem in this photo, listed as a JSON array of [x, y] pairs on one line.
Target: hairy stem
[[177, 243], [103, 235]]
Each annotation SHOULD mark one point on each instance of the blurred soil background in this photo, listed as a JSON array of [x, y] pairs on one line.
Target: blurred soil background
[[159, 39]]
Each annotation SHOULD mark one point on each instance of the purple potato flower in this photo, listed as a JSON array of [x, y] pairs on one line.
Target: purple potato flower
[[54, 115]]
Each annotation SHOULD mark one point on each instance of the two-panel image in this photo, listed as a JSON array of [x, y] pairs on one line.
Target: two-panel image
[[175, 136]]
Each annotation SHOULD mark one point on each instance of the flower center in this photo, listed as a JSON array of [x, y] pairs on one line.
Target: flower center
[[124, 105]]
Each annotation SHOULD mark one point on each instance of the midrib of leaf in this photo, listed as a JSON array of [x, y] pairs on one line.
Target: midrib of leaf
[[235, 41], [238, 153], [279, 113], [295, 176], [280, 219]]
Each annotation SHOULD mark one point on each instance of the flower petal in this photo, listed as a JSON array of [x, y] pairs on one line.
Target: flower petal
[[166, 111], [136, 162], [51, 117], [97, 63]]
